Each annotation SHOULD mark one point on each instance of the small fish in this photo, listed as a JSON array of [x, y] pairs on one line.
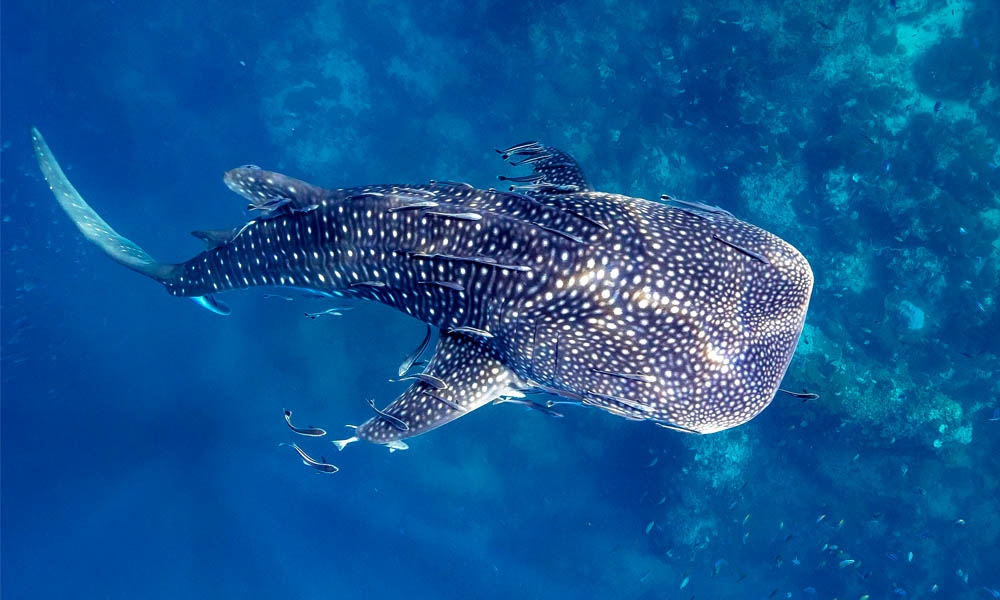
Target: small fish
[[448, 285], [996, 415], [407, 364], [396, 422], [413, 205], [307, 460], [746, 519], [718, 566], [472, 331], [545, 408], [684, 581], [466, 216], [650, 527], [653, 462], [847, 562], [820, 518], [309, 431], [909, 557], [337, 311], [992, 592], [804, 396], [643, 377], [305, 209], [960, 522], [435, 382]]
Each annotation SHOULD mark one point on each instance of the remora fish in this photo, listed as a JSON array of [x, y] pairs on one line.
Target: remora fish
[[320, 465], [677, 313], [307, 431]]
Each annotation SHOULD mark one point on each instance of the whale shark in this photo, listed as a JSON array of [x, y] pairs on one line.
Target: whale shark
[[668, 311]]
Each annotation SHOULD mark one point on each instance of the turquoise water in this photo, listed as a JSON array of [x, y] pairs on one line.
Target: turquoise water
[[140, 433]]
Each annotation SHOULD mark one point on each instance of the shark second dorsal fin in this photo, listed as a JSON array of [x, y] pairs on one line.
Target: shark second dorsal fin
[[214, 238], [474, 375]]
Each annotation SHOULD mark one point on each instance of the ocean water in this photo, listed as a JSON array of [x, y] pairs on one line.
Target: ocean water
[[140, 434]]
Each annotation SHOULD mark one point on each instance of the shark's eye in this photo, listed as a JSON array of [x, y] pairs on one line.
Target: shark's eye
[[252, 167]]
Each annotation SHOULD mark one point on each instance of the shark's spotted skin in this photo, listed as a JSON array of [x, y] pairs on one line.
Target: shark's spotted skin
[[678, 314]]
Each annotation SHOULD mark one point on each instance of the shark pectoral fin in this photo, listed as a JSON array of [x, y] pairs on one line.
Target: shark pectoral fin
[[474, 374], [210, 303], [121, 249]]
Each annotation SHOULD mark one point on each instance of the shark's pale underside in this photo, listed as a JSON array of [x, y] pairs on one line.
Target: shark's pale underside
[[672, 312]]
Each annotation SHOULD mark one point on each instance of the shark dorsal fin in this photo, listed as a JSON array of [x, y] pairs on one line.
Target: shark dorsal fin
[[553, 170], [273, 193]]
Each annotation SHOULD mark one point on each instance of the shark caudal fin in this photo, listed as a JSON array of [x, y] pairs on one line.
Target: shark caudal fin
[[121, 249]]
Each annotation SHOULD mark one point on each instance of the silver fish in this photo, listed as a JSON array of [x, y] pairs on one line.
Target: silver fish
[[307, 431], [414, 356], [307, 460]]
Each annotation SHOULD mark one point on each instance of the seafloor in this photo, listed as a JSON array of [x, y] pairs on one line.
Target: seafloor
[[139, 434]]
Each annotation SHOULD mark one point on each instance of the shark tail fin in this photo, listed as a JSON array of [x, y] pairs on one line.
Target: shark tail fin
[[121, 249]]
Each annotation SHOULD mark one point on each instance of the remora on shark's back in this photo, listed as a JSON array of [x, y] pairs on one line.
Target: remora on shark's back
[[676, 313]]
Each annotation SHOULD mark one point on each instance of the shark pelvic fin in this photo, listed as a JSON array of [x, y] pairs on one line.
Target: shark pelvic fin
[[210, 303]]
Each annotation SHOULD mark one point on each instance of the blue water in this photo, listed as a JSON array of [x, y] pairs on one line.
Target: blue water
[[140, 433]]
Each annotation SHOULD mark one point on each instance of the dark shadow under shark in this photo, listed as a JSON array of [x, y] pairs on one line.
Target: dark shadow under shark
[[676, 313]]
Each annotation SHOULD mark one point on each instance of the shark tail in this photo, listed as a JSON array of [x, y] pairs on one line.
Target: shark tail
[[121, 249]]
